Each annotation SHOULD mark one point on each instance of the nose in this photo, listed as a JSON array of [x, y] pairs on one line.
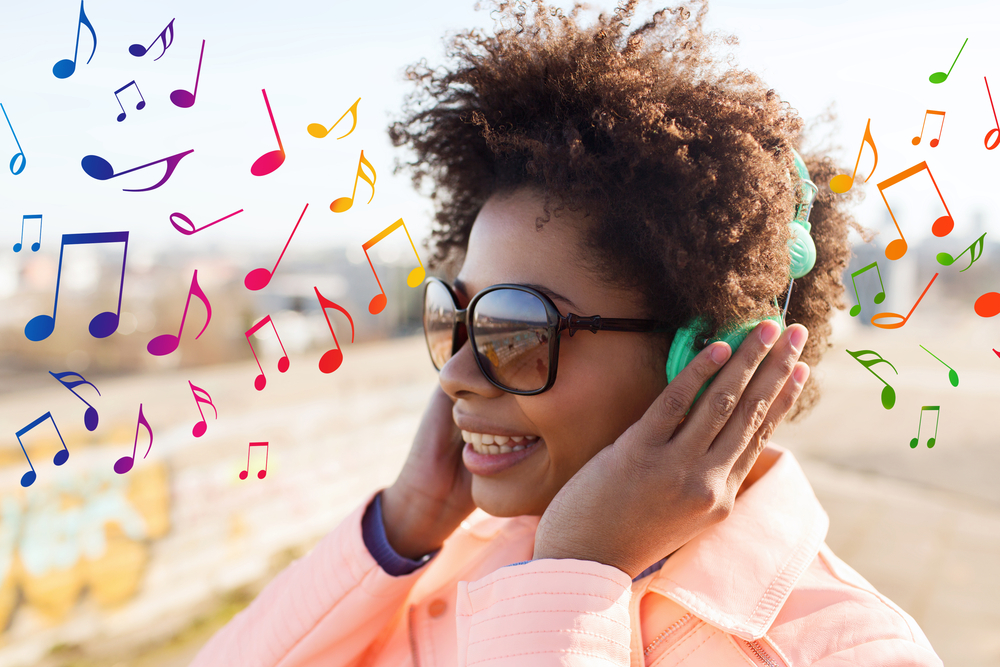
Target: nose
[[461, 378]]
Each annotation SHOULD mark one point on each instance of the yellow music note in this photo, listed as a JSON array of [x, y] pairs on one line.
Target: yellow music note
[[416, 275], [841, 183], [341, 204]]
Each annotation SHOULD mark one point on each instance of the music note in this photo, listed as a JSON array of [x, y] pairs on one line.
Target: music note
[[856, 310], [183, 98], [946, 259], [167, 343], [952, 373], [941, 227], [841, 183], [331, 359], [259, 278], [138, 50], [341, 204], [995, 352], [104, 324], [99, 168], [190, 224], [903, 320], [416, 275], [320, 131], [34, 246], [90, 417], [60, 458], [937, 414], [260, 381], [125, 463], [20, 153], [268, 162], [138, 107], [888, 393], [988, 305], [202, 426], [986, 140], [934, 142], [65, 68], [941, 77], [263, 473]]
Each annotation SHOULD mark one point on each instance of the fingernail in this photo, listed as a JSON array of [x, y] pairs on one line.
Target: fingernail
[[769, 333], [720, 353], [799, 338], [801, 373]]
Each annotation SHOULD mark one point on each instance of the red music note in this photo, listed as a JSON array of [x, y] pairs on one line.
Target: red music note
[[260, 381], [202, 426], [184, 98], [167, 343], [986, 140], [941, 227], [341, 204], [416, 275], [988, 305], [259, 278], [191, 224], [934, 142], [28, 478], [268, 162], [90, 416], [125, 463], [841, 183], [320, 131], [263, 473], [331, 359], [896, 325]]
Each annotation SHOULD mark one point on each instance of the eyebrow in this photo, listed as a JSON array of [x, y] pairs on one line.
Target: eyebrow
[[555, 296]]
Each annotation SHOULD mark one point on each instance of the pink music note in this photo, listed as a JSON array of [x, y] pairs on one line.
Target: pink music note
[[269, 162], [184, 98], [190, 224], [903, 320], [341, 204], [260, 381], [90, 417], [941, 227], [138, 50], [263, 473], [28, 478], [125, 463], [167, 343], [259, 278], [320, 131], [331, 359], [416, 275], [65, 68], [97, 167], [202, 426]]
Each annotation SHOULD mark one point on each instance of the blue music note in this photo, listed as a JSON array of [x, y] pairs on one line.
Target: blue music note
[[20, 154], [90, 417], [60, 458], [65, 68], [97, 167], [104, 324]]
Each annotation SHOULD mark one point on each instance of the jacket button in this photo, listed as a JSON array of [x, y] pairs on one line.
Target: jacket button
[[436, 608]]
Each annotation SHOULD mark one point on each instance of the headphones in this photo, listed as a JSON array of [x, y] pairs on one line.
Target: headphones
[[801, 247]]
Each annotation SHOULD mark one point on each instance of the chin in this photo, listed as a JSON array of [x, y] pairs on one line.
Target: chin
[[490, 497]]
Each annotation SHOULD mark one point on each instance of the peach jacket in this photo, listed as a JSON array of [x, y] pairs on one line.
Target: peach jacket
[[759, 588]]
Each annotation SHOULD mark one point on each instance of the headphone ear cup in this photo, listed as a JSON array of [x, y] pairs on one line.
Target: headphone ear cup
[[802, 249]]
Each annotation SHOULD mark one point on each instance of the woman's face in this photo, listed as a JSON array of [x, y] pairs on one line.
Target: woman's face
[[605, 381]]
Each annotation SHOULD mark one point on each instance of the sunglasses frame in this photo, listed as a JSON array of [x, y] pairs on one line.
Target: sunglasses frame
[[556, 324]]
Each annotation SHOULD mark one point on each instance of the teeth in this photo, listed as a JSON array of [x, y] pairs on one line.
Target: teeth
[[488, 443], [504, 449], [517, 448], [476, 439], [500, 439], [466, 436], [487, 439], [516, 438]]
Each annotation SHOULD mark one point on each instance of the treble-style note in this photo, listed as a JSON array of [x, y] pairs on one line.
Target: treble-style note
[[988, 305], [841, 183], [341, 204], [138, 107], [125, 463], [90, 417], [259, 278], [941, 227], [331, 359], [936, 409], [263, 472], [934, 142], [193, 229], [986, 140], [260, 381], [34, 246], [99, 168], [202, 426], [896, 325], [269, 162], [888, 393], [103, 324], [65, 68], [416, 275], [20, 153], [952, 373], [941, 77], [183, 98], [167, 343], [60, 458], [976, 249], [320, 131], [856, 309], [138, 50]]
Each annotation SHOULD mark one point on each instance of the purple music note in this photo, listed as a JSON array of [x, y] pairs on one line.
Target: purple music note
[[138, 107], [125, 463], [90, 417], [138, 50], [60, 458], [183, 98], [99, 168]]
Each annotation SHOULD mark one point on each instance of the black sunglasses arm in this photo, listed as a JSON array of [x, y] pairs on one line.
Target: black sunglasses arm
[[574, 323]]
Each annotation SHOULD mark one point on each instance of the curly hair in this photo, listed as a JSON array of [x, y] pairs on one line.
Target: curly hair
[[683, 163]]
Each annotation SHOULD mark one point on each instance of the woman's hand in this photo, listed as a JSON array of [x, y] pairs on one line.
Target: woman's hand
[[433, 493], [663, 482]]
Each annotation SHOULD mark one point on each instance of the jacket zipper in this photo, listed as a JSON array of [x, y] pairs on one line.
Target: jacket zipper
[[758, 650], [413, 641], [670, 630]]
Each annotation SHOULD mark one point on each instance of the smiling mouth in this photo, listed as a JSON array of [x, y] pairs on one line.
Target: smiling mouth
[[487, 443]]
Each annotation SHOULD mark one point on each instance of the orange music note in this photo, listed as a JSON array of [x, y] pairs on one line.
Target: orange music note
[[259, 278], [268, 162], [986, 139], [945, 259], [934, 142], [28, 478], [888, 393], [167, 343], [202, 426], [841, 183], [260, 381], [416, 275], [856, 310], [320, 131], [941, 227], [125, 463], [263, 473], [937, 420], [331, 359], [341, 204], [897, 325], [988, 305]]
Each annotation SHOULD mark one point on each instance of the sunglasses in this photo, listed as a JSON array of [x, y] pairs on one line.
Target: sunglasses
[[514, 331]]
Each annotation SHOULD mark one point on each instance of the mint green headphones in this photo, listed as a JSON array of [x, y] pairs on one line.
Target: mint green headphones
[[803, 252]]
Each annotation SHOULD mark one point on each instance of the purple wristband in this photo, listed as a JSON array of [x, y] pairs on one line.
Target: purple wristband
[[373, 533]]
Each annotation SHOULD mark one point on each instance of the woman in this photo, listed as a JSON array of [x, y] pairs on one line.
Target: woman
[[615, 182]]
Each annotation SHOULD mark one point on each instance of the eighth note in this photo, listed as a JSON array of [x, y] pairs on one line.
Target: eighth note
[[416, 275], [331, 359], [263, 473], [879, 298], [888, 393], [65, 68], [269, 162], [34, 246], [90, 417], [320, 131], [138, 107], [259, 278], [184, 98], [260, 381], [934, 142], [945, 259], [952, 373], [125, 463], [941, 77], [167, 343], [841, 183], [28, 478], [937, 420], [97, 167], [202, 426], [941, 227]]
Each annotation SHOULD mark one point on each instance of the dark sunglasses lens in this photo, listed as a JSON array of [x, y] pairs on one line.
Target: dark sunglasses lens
[[511, 332], [439, 323]]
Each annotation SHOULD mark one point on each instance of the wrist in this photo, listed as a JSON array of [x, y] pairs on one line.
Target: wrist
[[408, 528]]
